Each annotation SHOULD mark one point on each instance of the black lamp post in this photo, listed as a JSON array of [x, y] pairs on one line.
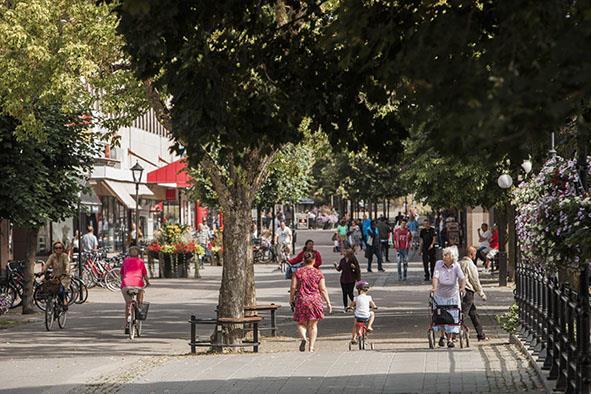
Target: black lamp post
[[136, 172]]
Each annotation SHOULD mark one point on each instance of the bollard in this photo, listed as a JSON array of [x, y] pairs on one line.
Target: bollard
[[502, 268], [193, 335]]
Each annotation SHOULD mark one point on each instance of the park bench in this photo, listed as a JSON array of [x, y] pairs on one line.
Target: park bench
[[266, 308], [220, 323]]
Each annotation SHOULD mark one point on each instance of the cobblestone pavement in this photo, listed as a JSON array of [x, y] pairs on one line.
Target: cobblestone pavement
[[92, 354]]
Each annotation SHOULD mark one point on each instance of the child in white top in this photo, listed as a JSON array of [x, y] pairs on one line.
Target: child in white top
[[363, 304]]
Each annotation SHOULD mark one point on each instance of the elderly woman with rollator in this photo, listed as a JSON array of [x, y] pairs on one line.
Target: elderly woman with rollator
[[448, 289]]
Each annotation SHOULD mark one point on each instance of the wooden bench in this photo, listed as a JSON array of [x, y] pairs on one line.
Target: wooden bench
[[219, 325], [266, 307]]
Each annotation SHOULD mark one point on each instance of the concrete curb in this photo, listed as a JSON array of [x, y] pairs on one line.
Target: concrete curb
[[548, 386]]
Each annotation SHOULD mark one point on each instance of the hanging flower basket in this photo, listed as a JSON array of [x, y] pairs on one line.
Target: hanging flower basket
[[553, 221]]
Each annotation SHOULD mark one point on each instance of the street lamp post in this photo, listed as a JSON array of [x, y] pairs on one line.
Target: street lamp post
[[505, 182], [136, 172]]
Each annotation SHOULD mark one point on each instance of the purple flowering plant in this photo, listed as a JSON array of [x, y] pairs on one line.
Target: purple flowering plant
[[553, 217]]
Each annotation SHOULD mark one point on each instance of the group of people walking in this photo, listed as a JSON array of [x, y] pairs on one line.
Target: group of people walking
[[454, 281]]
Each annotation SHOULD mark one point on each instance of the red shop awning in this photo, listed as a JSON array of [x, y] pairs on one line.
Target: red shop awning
[[171, 175]]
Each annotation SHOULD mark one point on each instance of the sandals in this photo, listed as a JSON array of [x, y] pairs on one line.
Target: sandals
[[303, 345]]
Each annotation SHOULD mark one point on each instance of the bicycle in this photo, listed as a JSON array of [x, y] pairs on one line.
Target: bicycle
[[135, 316], [54, 310], [361, 333]]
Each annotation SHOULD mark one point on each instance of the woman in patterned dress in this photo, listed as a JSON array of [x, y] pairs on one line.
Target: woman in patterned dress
[[308, 289]]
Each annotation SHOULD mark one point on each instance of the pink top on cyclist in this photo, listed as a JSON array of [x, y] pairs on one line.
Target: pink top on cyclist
[[133, 271]]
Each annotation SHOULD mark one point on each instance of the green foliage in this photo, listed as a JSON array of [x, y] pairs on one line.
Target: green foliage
[[354, 175], [40, 181], [290, 175], [509, 320], [448, 181], [66, 52], [487, 75]]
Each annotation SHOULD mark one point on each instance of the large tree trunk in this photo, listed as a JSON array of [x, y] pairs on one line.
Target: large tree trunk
[[30, 236], [235, 286]]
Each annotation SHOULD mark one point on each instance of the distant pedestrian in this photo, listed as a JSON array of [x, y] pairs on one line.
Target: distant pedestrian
[[398, 219], [284, 238], [342, 234], [308, 247], [365, 225], [493, 250], [307, 292], [356, 236], [89, 241], [350, 273], [402, 242], [373, 247], [473, 286], [384, 230], [428, 239], [484, 237]]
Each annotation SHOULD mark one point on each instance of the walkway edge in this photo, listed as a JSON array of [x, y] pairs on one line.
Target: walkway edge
[[536, 364]]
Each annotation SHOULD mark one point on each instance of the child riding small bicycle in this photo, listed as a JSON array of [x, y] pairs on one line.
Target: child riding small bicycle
[[363, 303]]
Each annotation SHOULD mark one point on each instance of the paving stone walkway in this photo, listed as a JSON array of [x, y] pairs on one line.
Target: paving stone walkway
[[93, 356]]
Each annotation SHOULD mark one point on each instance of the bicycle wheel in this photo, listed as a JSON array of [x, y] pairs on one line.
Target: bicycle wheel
[[88, 278], [138, 326], [62, 316], [11, 291], [40, 298], [49, 313], [113, 279], [83, 292], [132, 323], [71, 294]]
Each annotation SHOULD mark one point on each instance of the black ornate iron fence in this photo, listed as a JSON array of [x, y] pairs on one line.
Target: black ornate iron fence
[[555, 322]]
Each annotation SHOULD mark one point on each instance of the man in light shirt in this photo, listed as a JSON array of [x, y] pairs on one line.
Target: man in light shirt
[[89, 241], [284, 237], [473, 286], [484, 236]]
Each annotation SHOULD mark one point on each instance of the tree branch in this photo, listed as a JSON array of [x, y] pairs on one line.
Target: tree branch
[[160, 108]]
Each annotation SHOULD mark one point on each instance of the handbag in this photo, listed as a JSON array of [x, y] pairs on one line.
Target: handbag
[[442, 317], [291, 269]]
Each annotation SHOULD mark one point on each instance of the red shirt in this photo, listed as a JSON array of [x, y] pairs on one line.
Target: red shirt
[[300, 257], [133, 271], [402, 238], [494, 240]]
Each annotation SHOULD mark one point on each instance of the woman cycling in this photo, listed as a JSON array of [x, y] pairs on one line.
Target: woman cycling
[[59, 263], [308, 247], [133, 276]]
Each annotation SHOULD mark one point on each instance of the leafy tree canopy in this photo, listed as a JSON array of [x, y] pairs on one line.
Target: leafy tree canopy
[[499, 76], [67, 52], [40, 181]]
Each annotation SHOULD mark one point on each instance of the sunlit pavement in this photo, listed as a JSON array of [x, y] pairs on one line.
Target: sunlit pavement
[[93, 355]]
